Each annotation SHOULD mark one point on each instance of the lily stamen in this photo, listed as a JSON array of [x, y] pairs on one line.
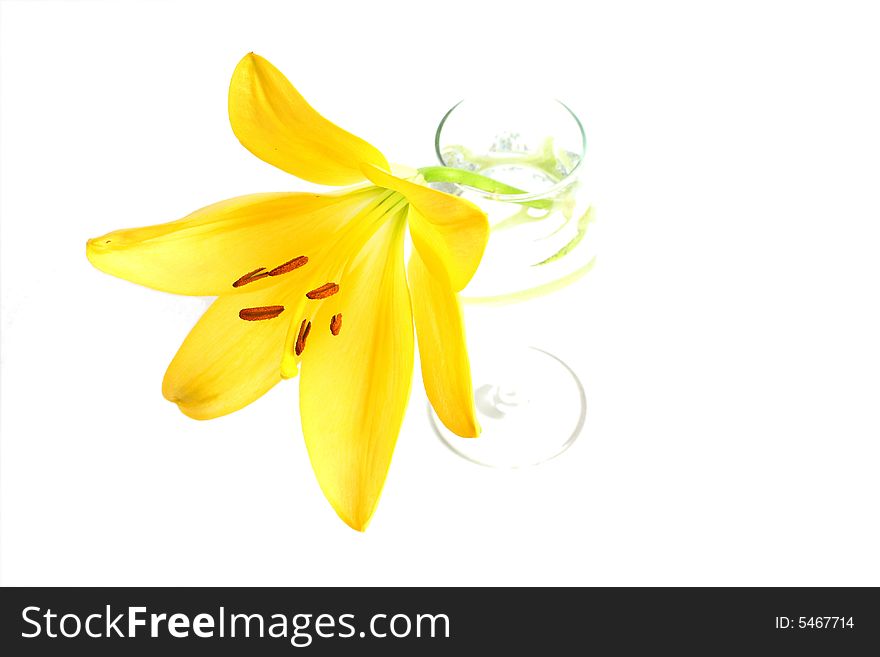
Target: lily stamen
[[336, 323], [290, 265], [252, 276], [326, 290], [260, 313], [300, 344]]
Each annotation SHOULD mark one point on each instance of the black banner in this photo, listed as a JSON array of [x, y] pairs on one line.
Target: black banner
[[337, 621]]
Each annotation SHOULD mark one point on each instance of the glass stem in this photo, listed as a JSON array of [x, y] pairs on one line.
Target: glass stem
[[478, 181]]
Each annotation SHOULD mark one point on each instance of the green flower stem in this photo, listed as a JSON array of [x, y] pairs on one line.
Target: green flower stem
[[478, 181], [583, 223], [532, 292]]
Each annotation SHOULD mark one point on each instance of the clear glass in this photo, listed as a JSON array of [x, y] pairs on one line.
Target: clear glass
[[538, 146], [530, 404]]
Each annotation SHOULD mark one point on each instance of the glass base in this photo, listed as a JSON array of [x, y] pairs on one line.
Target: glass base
[[530, 405]]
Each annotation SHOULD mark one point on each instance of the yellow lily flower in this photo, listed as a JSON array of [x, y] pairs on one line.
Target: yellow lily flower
[[317, 283]]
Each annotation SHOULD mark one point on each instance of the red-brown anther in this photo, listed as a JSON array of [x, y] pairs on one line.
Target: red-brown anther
[[290, 265], [326, 290], [336, 323], [251, 276], [300, 343], [261, 312]]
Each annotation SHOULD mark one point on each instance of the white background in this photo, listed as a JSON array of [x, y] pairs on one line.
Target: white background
[[727, 338]]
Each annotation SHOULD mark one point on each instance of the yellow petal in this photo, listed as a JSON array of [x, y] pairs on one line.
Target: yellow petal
[[333, 262], [446, 369], [225, 362], [205, 253], [275, 123], [449, 232], [354, 386]]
